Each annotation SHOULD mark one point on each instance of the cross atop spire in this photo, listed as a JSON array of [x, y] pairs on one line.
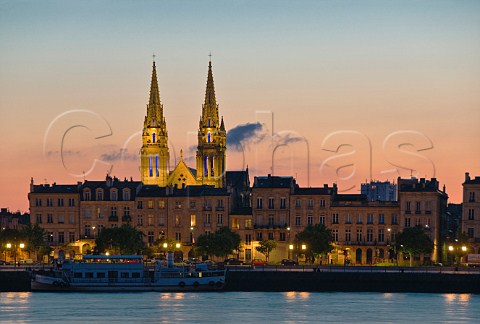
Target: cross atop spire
[[154, 107]]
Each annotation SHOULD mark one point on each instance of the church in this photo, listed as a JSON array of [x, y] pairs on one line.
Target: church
[[211, 149]]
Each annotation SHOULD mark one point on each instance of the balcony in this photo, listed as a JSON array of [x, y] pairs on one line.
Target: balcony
[[428, 212], [408, 212], [207, 208], [113, 219], [418, 212], [219, 208], [126, 219]]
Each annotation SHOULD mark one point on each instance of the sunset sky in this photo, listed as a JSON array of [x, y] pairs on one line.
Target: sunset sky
[[336, 91]]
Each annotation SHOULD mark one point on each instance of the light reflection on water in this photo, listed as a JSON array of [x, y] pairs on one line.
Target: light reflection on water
[[237, 307]]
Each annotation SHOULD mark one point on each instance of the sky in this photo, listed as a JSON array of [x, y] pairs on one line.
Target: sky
[[326, 91]]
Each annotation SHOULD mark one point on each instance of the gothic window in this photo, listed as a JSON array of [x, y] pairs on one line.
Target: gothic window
[[209, 137], [150, 167], [156, 166], [153, 138]]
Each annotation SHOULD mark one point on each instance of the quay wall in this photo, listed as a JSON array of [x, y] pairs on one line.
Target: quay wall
[[315, 281], [353, 282]]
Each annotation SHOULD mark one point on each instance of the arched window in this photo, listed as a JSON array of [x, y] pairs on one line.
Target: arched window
[[153, 138], [209, 137]]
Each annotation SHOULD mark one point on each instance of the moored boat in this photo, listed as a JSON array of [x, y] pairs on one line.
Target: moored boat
[[127, 273]]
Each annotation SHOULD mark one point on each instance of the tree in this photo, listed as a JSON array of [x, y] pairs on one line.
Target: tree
[[120, 240], [413, 240], [219, 244], [317, 238], [34, 237], [266, 247]]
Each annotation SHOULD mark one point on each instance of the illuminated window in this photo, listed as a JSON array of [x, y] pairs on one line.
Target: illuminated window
[[193, 220]]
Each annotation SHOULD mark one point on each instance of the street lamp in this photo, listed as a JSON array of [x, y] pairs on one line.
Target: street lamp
[[455, 249], [93, 228], [9, 246]]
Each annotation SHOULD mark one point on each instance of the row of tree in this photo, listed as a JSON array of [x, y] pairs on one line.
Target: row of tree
[[33, 237], [129, 240]]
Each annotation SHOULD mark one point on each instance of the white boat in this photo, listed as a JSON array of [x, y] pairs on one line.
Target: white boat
[[127, 273]]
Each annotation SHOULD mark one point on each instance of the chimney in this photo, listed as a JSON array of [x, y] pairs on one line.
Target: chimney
[[467, 176]]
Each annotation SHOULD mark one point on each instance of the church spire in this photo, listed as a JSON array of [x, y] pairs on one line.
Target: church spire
[[155, 107], [210, 107]]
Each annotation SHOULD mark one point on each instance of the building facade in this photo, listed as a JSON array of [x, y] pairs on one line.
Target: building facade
[[471, 212]]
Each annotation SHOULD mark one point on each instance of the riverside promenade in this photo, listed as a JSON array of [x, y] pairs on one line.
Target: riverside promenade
[[322, 279]]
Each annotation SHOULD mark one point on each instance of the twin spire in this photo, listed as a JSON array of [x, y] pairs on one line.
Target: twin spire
[[154, 108]]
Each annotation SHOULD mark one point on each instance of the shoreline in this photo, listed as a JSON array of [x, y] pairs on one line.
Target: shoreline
[[283, 281]]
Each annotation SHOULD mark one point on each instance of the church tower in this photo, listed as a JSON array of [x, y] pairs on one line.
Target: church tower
[[154, 153], [212, 140]]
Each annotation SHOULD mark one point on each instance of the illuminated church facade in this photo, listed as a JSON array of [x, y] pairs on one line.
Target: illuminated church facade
[[211, 148]]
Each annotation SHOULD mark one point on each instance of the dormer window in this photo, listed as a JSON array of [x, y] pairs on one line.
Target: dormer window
[[126, 194], [86, 195], [99, 195], [113, 195]]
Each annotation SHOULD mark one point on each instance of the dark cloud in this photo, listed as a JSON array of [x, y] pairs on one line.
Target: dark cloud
[[64, 152], [243, 134], [121, 154], [287, 138]]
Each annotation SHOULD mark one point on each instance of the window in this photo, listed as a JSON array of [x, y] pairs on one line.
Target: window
[[126, 194], [60, 202], [101, 275], [322, 203], [381, 235], [348, 235], [271, 203], [369, 235], [139, 204], [369, 218], [38, 202], [334, 218], [49, 202], [50, 237], [335, 235], [113, 211], [177, 220], [126, 211], [49, 219], [282, 236], [417, 207], [139, 220], [208, 219], [428, 207], [270, 235], [359, 219], [219, 219], [471, 214], [407, 207], [248, 223], [151, 237], [193, 220], [86, 230], [310, 220], [219, 203], [259, 203], [161, 220], [381, 218], [100, 212], [150, 204], [150, 220], [235, 223], [310, 203], [407, 222], [259, 236], [359, 235], [178, 236], [298, 203], [248, 239], [271, 220], [61, 237], [321, 219], [348, 218], [71, 202], [298, 220], [471, 197], [71, 219], [283, 203], [470, 233], [61, 219], [161, 204], [154, 137], [178, 205], [71, 237], [394, 219], [418, 222], [99, 194], [38, 218]]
